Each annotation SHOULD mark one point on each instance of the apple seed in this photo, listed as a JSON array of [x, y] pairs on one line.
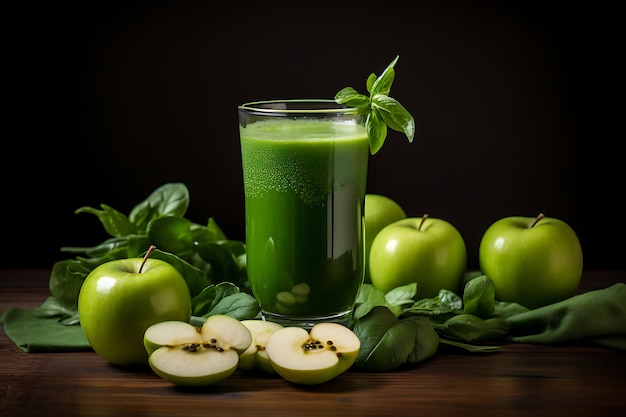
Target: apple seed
[[316, 344], [194, 347]]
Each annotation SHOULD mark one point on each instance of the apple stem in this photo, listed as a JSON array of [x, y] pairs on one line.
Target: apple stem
[[424, 217], [145, 258], [539, 217]]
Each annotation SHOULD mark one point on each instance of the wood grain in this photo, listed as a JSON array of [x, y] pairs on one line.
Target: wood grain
[[571, 380]]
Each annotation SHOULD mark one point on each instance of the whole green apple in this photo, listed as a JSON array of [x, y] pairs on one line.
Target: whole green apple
[[428, 251], [380, 211], [533, 261], [120, 299]]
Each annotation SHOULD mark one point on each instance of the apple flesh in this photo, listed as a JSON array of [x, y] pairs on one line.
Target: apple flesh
[[532, 261], [190, 356], [255, 357], [312, 357]]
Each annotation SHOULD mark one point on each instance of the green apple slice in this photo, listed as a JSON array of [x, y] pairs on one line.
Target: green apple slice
[[187, 355], [193, 367], [314, 357], [255, 356], [172, 333]]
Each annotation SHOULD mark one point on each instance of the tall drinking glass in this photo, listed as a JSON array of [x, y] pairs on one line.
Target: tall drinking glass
[[304, 172]]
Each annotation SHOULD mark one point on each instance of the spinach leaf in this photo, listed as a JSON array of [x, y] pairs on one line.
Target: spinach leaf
[[468, 347], [426, 339], [446, 302], [241, 306], [399, 297], [226, 260], [202, 254], [470, 328], [52, 307], [208, 298], [195, 278], [224, 298], [479, 297], [388, 342], [115, 223], [65, 283], [173, 234], [370, 297], [168, 200]]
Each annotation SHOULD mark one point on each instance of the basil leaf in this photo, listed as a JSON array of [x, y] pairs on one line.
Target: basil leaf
[[382, 111], [350, 97], [382, 84], [376, 131], [394, 115], [369, 83]]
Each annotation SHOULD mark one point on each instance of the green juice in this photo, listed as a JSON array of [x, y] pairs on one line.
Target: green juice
[[304, 184]]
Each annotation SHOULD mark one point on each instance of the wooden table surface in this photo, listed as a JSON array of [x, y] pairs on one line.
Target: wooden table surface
[[573, 380]]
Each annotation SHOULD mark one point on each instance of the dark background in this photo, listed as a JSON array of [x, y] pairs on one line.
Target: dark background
[[518, 109]]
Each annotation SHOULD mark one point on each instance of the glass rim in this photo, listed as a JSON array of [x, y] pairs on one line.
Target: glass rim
[[280, 106]]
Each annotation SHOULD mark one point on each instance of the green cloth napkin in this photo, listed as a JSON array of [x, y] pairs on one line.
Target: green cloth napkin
[[597, 316], [35, 334]]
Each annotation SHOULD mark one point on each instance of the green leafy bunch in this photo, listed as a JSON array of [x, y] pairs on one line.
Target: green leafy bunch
[[382, 111], [213, 266], [396, 329]]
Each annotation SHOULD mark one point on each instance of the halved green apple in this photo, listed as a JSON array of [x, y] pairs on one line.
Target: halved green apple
[[255, 356], [195, 356], [312, 357]]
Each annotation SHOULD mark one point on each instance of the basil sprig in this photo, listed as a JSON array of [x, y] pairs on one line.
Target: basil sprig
[[382, 111]]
